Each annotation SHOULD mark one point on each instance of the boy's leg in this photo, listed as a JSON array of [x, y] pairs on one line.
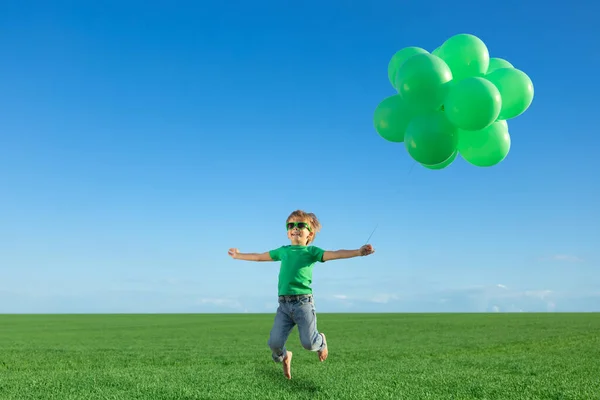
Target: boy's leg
[[306, 318], [282, 326]]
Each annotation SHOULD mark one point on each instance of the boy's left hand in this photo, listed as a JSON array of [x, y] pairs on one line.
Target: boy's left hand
[[366, 250]]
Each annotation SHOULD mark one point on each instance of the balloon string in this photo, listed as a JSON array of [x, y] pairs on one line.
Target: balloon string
[[412, 167], [409, 171], [367, 242]]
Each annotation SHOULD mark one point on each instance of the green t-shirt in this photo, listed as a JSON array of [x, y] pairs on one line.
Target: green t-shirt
[[297, 263]]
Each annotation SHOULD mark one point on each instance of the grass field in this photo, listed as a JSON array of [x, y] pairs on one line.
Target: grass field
[[372, 356]]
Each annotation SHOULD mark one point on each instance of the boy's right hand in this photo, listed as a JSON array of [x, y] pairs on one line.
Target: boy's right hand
[[233, 253], [366, 250]]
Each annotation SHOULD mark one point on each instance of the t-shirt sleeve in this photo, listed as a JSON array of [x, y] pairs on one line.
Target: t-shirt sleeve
[[317, 253], [276, 254]]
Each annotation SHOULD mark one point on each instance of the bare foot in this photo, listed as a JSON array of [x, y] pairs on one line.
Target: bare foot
[[287, 365], [323, 353]]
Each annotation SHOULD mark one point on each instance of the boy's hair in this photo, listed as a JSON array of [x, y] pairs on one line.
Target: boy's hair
[[315, 225]]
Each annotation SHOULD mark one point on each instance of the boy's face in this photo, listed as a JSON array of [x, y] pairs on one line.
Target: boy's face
[[298, 231]]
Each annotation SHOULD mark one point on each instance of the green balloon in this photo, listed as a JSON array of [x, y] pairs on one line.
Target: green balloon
[[430, 138], [473, 103], [497, 63], [391, 117], [398, 59], [444, 164], [516, 90], [486, 147], [421, 81], [436, 52], [466, 55]]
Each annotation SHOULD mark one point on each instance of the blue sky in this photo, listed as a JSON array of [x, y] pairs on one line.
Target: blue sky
[[139, 142]]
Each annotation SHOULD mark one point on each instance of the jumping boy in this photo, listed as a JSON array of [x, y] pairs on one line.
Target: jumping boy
[[296, 305]]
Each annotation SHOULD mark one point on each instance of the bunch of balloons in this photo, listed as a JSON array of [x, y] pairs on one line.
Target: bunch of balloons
[[454, 100]]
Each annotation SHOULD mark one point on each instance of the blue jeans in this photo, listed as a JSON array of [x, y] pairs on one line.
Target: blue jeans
[[295, 310]]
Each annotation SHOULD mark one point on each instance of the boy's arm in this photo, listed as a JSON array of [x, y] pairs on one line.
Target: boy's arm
[[339, 254], [234, 253]]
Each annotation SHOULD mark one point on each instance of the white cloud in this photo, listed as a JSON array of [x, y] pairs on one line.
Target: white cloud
[[384, 298], [538, 294], [222, 302], [491, 298], [340, 300], [565, 258]]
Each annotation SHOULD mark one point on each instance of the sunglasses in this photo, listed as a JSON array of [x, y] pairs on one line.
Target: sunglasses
[[299, 225]]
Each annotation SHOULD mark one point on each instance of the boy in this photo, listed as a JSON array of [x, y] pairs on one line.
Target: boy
[[296, 305]]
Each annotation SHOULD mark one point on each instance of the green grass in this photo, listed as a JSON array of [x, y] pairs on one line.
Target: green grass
[[372, 356]]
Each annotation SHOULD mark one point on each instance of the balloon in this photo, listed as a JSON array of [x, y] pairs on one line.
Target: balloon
[[444, 164], [398, 59], [473, 103], [497, 63], [421, 81], [466, 55], [391, 117], [454, 100], [486, 147], [516, 90], [430, 138]]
